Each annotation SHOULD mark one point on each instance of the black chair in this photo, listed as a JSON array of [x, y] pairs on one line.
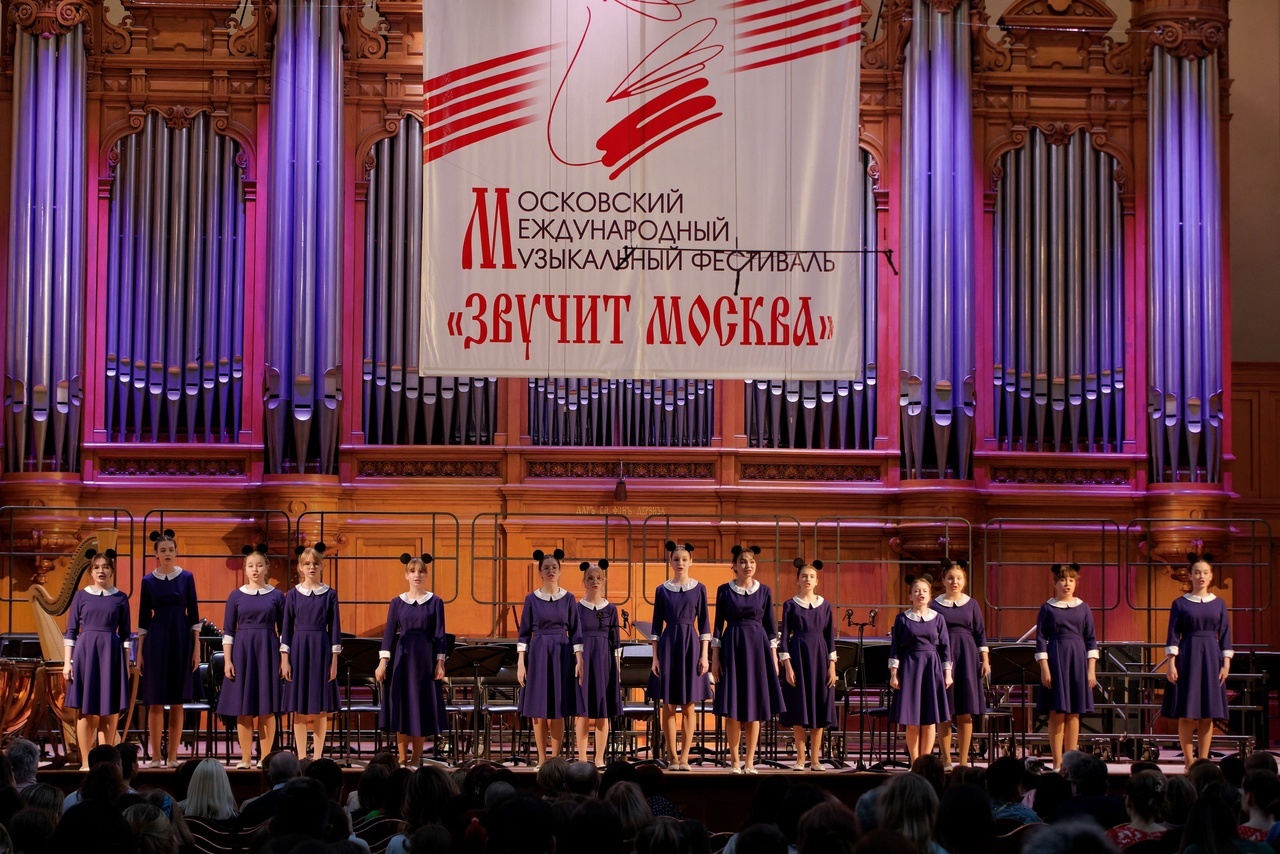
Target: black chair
[[637, 666], [214, 674], [360, 695]]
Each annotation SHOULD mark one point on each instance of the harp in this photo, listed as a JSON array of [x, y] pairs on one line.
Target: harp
[[49, 687]]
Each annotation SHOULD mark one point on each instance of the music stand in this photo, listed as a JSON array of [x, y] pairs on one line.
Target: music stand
[[875, 671], [1010, 664], [359, 659], [847, 652], [476, 662], [636, 669]]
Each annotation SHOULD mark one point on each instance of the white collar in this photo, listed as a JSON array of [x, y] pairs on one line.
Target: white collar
[[603, 603], [111, 591], [1199, 600], [315, 591], [744, 591], [550, 597], [959, 603], [404, 597], [928, 615], [1070, 603], [680, 588], [816, 602], [177, 570], [249, 591]]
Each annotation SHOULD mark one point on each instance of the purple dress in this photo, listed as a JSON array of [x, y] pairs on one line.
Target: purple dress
[[1200, 638], [599, 695], [745, 632], [680, 623], [414, 641], [549, 636], [98, 631], [920, 649], [968, 635], [1064, 636], [167, 614], [311, 636], [251, 625], [809, 643]]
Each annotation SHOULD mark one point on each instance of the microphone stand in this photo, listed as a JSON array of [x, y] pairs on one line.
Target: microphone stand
[[862, 680]]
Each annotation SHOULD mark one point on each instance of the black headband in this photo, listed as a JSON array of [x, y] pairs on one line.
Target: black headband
[[407, 558], [318, 547], [260, 548], [603, 563]]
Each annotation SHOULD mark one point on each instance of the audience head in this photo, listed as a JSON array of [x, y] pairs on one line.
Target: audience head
[[283, 767], [151, 828], [498, 792], [432, 839], [1232, 768], [1203, 774], [396, 785], [1052, 791], [867, 809], [1144, 795], [631, 806], [103, 783], [329, 773], [767, 801], [1069, 761], [371, 791], [551, 776], [828, 828], [931, 769], [93, 826], [1259, 760], [182, 778], [128, 760], [302, 809], [1088, 775], [618, 772], [425, 796], [798, 800], [908, 805], [1262, 792], [104, 753], [1212, 820], [209, 792], [1144, 765], [45, 798], [760, 839], [663, 836], [24, 758], [31, 830], [650, 778], [595, 828], [1179, 795], [1004, 777], [965, 825], [521, 825], [582, 778], [1073, 836]]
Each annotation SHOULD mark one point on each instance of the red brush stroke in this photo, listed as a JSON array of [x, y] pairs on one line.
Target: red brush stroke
[[482, 83], [685, 62], [464, 105], [670, 114], [854, 5], [436, 134], [451, 145], [802, 36], [811, 51], [450, 77]]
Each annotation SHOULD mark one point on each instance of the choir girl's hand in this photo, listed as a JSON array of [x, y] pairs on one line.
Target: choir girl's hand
[[657, 671], [333, 669], [1173, 671], [286, 670], [985, 673], [137, 665], [580, 675], [893, 680], [831, 675], [715, 670], [1093, 681], [380, 672], [439, 669], [195, 660], [520, 673], [702, 666], [1222, 674], [1046, 678], [229, 669], [791, 673], [66, 670], [947, 680]]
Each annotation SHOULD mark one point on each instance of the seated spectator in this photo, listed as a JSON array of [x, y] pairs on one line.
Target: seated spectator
[[828, 828], [632, 810], [432, 839], [652, 784], [151, 829], [1261, 800], [1259, 760], [1052, 791], [210, 809], [965, 825], [425, 796], [1179, 795], [595, 828], [46, 798], [1078, 835], [909, 806], [370, 794], [24, 759], [867, 810], [662, 837], [101, 753], [551, 776], [616, 772], [1211, 826], [1088, 778], [521, 825], [1004, 788], [281, 767], [582, 778], [931, 768], [31, 831], [1144, 800], [1204, 773], [798, 800], [382, 760], [94, 826], [761, 839]]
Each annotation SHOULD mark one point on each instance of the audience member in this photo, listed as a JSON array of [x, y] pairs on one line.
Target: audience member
[[1211, 825], [965, 824], [24, 759], [1261, 802], [1078, 835], [828, 828], [632, 810], [909, 806], [652, 783], [1088, 776], [151, 829], [1051, 792], [582, 779], [1144, 801], [551, 774], [31, 831], [931, 768], [281, 768], [425, 796], [1004, 788]]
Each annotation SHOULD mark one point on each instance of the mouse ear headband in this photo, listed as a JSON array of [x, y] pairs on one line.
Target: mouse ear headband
[[926, 578], [318, 548], [672, 546], [166, 534], [539, 555], [260, 548], [800, 564], [109, 554], [738, 550], [603, 563], [1194, 558], [424, 557]]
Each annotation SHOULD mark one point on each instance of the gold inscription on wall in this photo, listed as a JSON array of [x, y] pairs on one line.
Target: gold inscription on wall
[[619, 510]]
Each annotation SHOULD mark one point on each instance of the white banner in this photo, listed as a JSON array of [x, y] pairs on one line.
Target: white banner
[[641, 188]]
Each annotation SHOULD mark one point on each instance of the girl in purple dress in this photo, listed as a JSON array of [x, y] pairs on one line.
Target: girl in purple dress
[[599, 697], [414, 706], [746, 639], [96, 667], [969, 654], [919, 647], [310, 641], [807, 651], [1068, 654], [1199, 649], [169, 628], [681, 638], [551, 640], [251, 654]]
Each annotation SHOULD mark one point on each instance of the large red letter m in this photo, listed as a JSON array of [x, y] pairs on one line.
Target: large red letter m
[[489, 239]]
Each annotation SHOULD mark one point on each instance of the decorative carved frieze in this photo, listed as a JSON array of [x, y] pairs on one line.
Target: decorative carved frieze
[[1034, 475], [1188, 29], [48, 18], [171, 467], [430, 468], [638, 470], [827, 473]]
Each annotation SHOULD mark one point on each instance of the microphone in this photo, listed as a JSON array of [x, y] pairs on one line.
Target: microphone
[[626, 619], [872, 617], [848, 617]]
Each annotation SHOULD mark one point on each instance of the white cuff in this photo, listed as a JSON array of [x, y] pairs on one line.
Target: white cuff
[[893, 663], [227, 640], [1094, 654], [1228, 653], [1042, 656], [284, 647], [68, 643], [773, 644], [1171, 650], [441, 657], [704, 637], [715, 643], [195, 627], [984, 649], [522, 647], [618, 652], [384, 653], [337, 647], [832, 656], [140, 632], [577, 647], [784, 656], [127, 644], [946, 665]]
